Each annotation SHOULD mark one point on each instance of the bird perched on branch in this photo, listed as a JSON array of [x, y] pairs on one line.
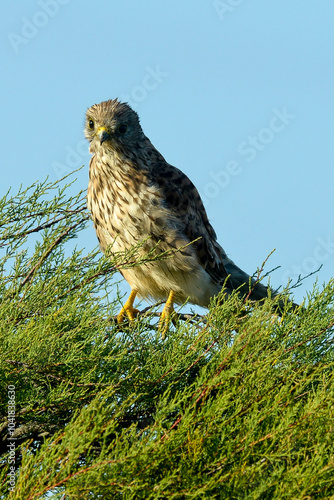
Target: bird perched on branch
[[135, 196]]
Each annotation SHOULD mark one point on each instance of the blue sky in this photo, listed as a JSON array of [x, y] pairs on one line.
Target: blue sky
[[236, 93]]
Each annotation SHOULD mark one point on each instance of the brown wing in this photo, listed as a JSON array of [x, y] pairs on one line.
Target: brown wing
[[180, 195]]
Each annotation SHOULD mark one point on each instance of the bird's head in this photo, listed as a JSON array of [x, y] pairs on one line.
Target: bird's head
[[113, 125]]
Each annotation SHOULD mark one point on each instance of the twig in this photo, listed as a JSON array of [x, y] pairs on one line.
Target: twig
[[47, 253]]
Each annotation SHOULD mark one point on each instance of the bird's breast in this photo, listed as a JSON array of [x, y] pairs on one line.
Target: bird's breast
[[124, 207]]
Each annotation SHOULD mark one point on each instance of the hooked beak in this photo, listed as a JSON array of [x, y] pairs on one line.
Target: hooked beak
[[103, 134]]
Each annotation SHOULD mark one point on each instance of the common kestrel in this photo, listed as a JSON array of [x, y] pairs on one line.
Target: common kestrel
[[134, 195]]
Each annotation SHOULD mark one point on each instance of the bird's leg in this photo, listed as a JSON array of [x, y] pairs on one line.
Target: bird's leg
[[128, 309], [166, 314]]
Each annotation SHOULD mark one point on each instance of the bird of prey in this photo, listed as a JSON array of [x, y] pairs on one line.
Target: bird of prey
[[135, 196]]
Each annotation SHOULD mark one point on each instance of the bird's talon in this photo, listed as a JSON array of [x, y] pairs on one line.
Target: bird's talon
[[166, 315], [128, 309], [129, 313], [164, 323]]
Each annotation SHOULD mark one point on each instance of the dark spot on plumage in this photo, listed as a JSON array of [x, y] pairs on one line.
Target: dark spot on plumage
[[135, 182], [172, 245], [160, 222], [156, 238], [124, 200], [167, 174], [171, 199], [97, 188], [114, 230], [200, 245], [132, 218], [149, 216]]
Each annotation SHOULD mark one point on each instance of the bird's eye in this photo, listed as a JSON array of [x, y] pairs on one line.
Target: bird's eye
[[122, 129], [91, 124]]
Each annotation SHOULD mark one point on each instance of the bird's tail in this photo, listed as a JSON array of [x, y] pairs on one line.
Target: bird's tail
[[248, 286]]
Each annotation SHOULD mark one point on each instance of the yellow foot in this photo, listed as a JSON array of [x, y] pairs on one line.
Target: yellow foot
[[128, 309], [167, 311]]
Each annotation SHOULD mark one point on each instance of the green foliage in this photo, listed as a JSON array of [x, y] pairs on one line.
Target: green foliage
[[240, 406]]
